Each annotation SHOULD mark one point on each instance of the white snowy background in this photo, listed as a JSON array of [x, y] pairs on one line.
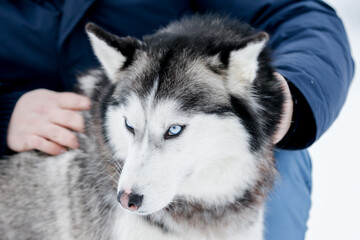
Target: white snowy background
[[335, 213]]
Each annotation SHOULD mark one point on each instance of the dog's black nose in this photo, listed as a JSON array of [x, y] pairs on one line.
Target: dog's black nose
[[135, 200], [130, 201]]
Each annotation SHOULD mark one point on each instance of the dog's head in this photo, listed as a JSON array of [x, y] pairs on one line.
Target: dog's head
[[180, 110]]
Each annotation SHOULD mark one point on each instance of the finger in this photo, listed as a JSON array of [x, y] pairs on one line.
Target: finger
[[43, 145], [68, 100], [68, 118], [59, 135]]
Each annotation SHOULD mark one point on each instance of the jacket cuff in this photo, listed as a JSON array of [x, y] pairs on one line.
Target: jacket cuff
[[302, 131], [7, 104]]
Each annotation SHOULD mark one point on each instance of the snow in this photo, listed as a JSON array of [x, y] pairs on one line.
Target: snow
[[335, 212]]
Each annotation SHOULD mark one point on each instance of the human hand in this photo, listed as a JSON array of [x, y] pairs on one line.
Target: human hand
[[288, 108], [42, 120]]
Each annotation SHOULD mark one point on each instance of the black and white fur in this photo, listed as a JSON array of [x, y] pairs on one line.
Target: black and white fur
[[211, 76]]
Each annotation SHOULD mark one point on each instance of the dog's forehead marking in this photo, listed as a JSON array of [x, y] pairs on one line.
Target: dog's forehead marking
[[149, 103], [182, 83], [189, 80], [151, 116]]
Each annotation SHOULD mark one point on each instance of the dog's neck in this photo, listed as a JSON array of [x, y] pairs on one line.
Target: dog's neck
[[181, 214]]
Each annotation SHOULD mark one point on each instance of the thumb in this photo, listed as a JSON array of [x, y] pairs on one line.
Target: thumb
[[287, 110]]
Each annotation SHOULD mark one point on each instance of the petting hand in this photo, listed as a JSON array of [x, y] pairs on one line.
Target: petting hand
[[42, 120], [287, 111]]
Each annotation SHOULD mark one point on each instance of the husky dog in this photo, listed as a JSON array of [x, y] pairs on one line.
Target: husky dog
[[177, 144]]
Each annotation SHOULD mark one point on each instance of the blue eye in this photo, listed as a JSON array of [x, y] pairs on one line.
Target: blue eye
[[174, 131], [129, 126]]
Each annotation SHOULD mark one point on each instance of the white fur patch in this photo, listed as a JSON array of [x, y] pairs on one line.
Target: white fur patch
[[87, 82], [229, 167], [110, 59], [243, 66], [120, 138]]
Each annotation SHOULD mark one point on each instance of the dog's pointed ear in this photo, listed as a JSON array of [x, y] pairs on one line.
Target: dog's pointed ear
[[243, 62], [113, 52]]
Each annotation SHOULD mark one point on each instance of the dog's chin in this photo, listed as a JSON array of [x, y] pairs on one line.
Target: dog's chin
[[141, 213], [144, 212]]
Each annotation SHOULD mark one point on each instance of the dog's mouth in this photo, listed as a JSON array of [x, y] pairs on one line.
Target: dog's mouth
[[142, 213]]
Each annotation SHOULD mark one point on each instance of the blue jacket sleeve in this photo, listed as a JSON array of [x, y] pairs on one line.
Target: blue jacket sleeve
[[310, 49]]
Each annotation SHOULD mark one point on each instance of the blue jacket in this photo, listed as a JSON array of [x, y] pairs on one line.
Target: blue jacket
[[43, 45]]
